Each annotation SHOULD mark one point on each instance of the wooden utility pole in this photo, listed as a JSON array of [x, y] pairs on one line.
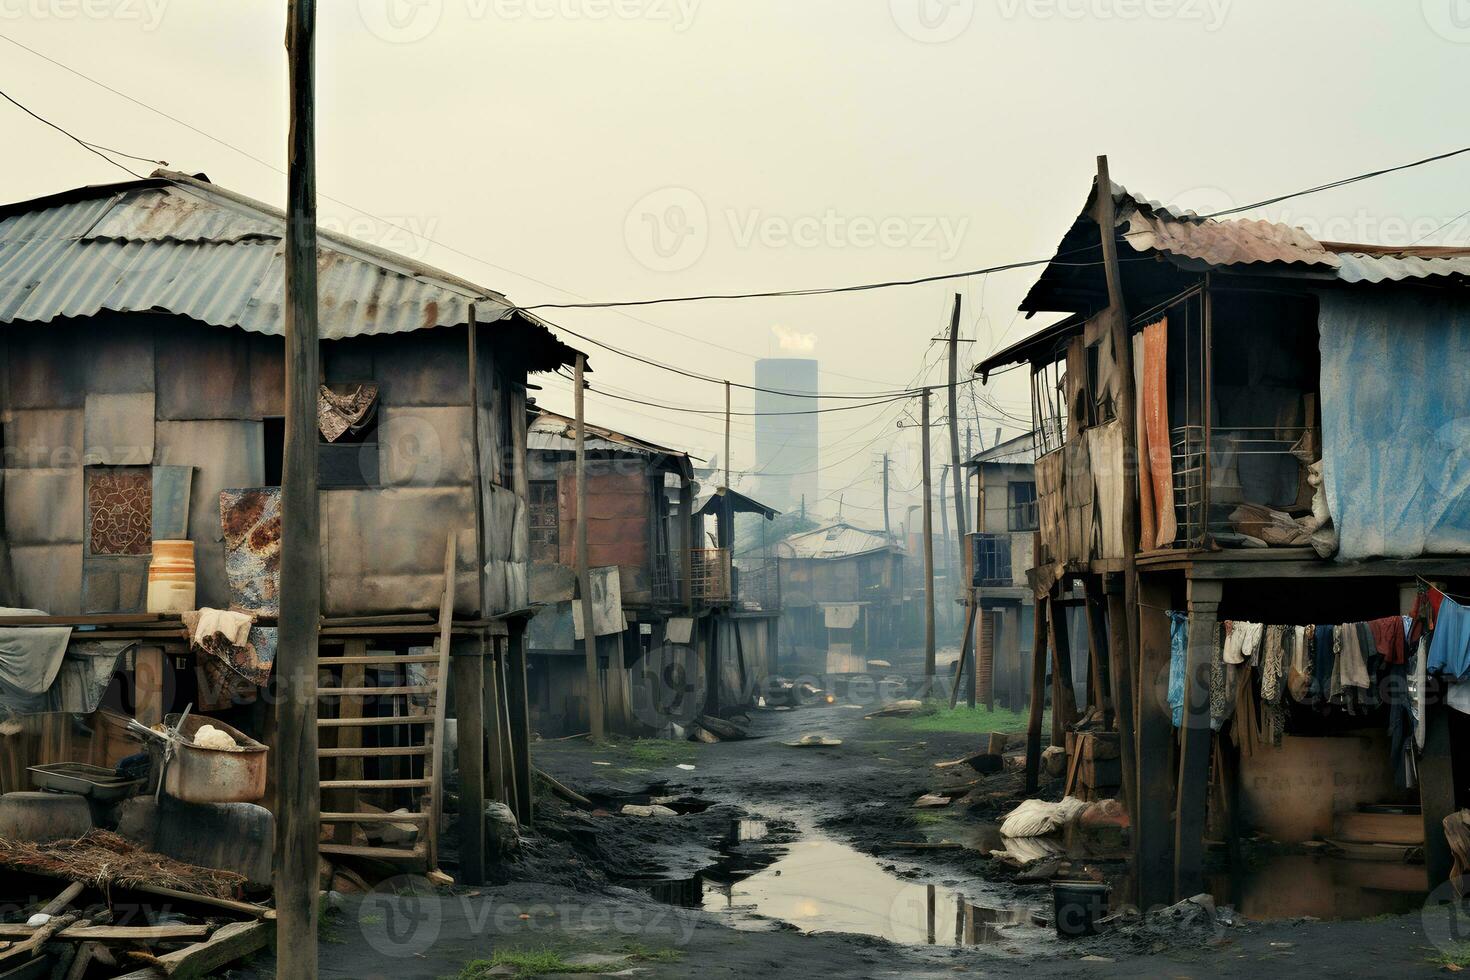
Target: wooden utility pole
[[298, 785], [727, 435], [584, 577], [887, 527], [928, 556], [958, 493]]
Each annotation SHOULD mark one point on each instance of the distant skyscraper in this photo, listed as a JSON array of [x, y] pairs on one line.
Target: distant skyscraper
[[786, 445]]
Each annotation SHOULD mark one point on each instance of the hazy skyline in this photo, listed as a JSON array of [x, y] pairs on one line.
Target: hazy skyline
[[616, 149]]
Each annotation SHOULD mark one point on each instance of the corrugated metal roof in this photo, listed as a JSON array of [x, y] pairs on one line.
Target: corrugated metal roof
[[183, 245], [1019, 451], [551, 432], [838, 540], [1224, 243]]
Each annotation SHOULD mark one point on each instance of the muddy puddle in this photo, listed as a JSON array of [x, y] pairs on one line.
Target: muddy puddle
[[821, 885], [1291, 886]]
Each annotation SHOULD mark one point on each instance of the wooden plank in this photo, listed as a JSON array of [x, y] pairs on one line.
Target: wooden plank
[[226, 904], [149, 707], [382, 658], [119, 934], [435, 737], [376, 783], [409, 719], [495, 755], [1153, 838], [1097, 649], [518, 702], [469, 712], [377, 853], [507, 758], [68, 895], [355, 692], [1194, 755], [1123, 696], [337, 817], [232, 941], [1063, 691], [1038, 693], [971, 610], [31, 945], [370, 752]]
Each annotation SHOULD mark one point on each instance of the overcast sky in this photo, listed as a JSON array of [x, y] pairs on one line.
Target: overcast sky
[[607, 149]]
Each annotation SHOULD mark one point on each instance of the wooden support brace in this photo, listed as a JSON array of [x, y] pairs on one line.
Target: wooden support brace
[[1153, 839], [1194, 754], [469, 712], [1038, 695]]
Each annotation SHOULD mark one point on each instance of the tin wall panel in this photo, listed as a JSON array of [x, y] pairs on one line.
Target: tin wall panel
[[48, 577], [44, 506], [118, 429], [425, 446], [43, 438]]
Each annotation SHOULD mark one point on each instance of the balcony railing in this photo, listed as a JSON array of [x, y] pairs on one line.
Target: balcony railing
[[1263, 465], [757, 584], [710, 571]]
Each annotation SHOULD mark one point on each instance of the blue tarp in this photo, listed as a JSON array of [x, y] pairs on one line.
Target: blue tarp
[[1396, 422]]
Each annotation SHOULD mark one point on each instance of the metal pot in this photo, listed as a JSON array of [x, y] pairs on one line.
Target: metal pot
[[197, 775]]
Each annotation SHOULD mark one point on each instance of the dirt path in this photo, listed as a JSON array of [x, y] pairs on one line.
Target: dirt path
[[821, 857]]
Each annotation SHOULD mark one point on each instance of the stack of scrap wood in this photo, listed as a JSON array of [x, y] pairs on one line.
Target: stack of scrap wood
[[80, 934], [1094, 771]]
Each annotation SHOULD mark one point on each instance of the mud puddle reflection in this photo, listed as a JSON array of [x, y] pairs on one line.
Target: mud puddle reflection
[[821, 885]]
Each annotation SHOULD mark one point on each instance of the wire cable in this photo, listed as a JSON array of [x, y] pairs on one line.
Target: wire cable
[[89, 147]]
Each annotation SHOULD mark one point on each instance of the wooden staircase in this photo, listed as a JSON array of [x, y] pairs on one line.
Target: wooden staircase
[[412, 768]]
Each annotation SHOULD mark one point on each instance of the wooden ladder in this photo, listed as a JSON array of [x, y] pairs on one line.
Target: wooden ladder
[[345, 758]]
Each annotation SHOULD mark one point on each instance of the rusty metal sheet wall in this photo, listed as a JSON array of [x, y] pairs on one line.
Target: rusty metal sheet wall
[[1105, 445], [49, 577], [217, 373], [44, 506], [42, 438], [385, 549], [618, 505], [118, 429], [1049, 506], [424, 446], [424, 368]]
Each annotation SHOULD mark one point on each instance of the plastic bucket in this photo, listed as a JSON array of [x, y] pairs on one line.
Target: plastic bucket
[[1078, 905]]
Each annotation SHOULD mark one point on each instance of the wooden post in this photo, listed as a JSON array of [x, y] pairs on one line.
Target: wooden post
[[494, 730], [148, 687], [1097, 648], [584, 579], [887, 526], [727, 435], [1063, 690], [928, 555], [1194, 755], [957, 492], [1153, 841], [1038, 691], [298, 787], [519, 702], [1116, 622], [349, 737], [467, 666], [686, 558], [966, 656]]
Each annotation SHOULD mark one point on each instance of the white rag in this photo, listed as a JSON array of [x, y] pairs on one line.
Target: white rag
[[1243, 643], [233, 626], [1035, 818]]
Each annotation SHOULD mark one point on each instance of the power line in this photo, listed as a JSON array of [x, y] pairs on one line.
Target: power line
[[89, 147], [1338, 183]]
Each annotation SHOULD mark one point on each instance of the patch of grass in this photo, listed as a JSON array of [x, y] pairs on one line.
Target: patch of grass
[[544, 960], [1457, 956], [939, 717], [654, 751], [928, 818]]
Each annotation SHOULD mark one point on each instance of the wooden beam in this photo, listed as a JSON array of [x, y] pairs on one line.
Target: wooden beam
[[1109, 608], [584, 578], [231, 942], [928, 521], [518, 700], [1196, 735], [469, 711], [117, 934], [971, 610], [1063, 691], [1038, 693], [298, 791], [1153, 839], [434, 737]]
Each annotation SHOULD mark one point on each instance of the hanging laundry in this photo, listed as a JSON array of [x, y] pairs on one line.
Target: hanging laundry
[[1244, 642], [1324, 656], [1389, 638], [1449, 651], [1417, 681], [1274, 654], [1299, 666], [1350, 679], [1178, 663]]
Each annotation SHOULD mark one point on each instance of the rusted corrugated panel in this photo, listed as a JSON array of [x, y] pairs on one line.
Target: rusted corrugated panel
[[1226, 243], [839, 540], [189, 247]]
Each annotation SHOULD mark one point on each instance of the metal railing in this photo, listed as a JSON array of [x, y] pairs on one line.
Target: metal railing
[[710, 571], [1261, 449]]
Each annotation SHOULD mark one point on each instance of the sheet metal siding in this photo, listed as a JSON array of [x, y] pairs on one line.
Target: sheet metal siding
[[203, 261]]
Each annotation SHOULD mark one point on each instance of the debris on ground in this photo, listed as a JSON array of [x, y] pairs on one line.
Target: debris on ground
[[652, 810], [897, 709], [814, 741], [932, 800], [1037, 818]]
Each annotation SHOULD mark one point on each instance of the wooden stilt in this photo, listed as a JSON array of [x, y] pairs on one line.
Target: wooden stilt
[[520, 720], [1121, 684], [1153, 840], [469, 712], [1038, 694], [1063, 691], [1194, 755]]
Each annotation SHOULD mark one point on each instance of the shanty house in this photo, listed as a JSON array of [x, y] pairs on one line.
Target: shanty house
[[842, 590], [141, 393], [1296, 412], [639, 529]]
